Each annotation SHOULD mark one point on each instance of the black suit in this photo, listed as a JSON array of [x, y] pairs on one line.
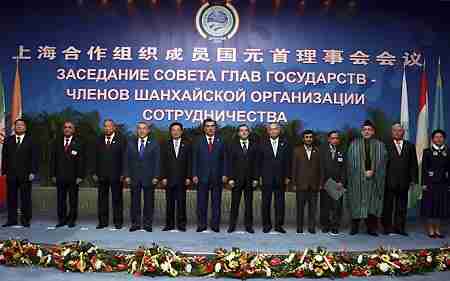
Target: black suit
[[66, 165], [273, 170], [242, 169], [18, 162], [401, 170], [176, 169], [108, 167], [333, 166]]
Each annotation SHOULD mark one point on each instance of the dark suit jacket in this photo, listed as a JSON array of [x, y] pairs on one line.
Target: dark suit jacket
[[274, 170], [145, 169], [435, 167], [402, 169], [208, 166], [19, 162], [106, 163], [334, 169], [242, 166], [176, 169], [68, 165], [306, 173]]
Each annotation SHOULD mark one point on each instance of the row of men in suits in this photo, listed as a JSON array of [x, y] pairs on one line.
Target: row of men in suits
[[142, 163]]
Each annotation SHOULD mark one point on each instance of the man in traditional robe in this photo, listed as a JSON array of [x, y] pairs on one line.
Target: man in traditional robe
[[366, 162]]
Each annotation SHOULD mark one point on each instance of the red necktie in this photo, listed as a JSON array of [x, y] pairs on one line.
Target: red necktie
[[66, 145], [210, 145]]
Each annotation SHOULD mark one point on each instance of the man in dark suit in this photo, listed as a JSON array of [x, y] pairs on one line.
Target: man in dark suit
[[208, 173], [141, 172], [107, 171], [332, 164], [274, 169], [20, 165], [66, 170], [401, 173], [306, 180], [242, 178], [175, 173]]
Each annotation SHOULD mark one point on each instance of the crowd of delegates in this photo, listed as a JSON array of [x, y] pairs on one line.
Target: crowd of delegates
[[375, 176]]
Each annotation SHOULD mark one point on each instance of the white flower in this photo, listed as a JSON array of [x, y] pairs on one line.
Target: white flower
[[134, 266], [318, 258], [233, 264], [165, 266], [1, 245], [92, 249], [429, 259], [341, 267], [66, 252], [268, 272], [230, 256], [384, 267], [188, 268], [39, 253], [98, 264], [360, 259], [395, 256], [311, 266], [217, 267], [290, 258]]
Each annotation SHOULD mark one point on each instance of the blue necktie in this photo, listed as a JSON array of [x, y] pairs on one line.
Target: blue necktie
[[141, 149]]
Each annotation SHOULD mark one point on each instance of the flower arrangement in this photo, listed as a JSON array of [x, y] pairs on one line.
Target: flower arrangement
[[236, 263]]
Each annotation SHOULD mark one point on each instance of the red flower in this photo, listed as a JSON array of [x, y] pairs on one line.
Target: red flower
[[137, 274], [209, 267], [2, 259], [275, 261], [151, 268], [299, 273], [343, 274], [372, 263], [122, 266], [448, 262], [423, 253]]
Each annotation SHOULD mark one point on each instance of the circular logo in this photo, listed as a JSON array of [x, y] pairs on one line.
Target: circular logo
[[217, 22]]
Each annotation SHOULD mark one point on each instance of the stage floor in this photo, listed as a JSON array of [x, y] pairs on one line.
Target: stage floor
[[42, 231]]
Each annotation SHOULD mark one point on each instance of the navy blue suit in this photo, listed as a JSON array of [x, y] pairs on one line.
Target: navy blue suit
[[141, 171], [209, 167]]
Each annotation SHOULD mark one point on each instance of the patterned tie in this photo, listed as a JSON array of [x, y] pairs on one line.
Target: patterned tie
[[210, 144], [108, 141], [333, 152], [244, 146], [66, 144], [399, 148], [141, 148], [177, 146]]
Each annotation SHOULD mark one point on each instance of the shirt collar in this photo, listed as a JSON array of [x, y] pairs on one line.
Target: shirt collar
[[70, 138], [244, 141], [110, 137], [442, 147], [20, 136], [210, 137], [145, 139], [274, 140]]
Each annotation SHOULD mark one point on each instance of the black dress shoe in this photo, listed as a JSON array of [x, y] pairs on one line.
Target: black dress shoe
[[267, 229], [168, 228], [8, 224], [134, 228], [372, 233], [312, 230], [299, 230], [441, 236], [148, 229], [71, 225], [402, 233], [201, 229], [182, 228], [61, 224], [334, 231], [432, 236], [118, 226], [325, 230], [231, 229], [26, 224], [101, 226], [249, 229], [215, 229], [280, 229]]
